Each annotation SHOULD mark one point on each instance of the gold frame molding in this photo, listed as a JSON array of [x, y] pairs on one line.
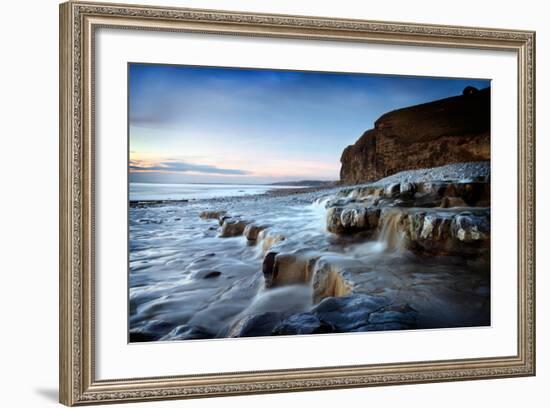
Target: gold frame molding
[[78, 22]]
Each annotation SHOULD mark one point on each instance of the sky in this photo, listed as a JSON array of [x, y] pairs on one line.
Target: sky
[[192, 124]]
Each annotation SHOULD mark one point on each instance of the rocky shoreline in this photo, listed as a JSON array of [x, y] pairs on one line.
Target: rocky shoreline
[[421, 221]]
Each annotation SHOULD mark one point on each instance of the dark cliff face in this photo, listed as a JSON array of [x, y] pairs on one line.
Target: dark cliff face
[[450, 130]]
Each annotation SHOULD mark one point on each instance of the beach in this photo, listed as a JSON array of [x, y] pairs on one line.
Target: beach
[[254, 261]]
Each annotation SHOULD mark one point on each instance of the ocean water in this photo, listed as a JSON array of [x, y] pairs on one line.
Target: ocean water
[[153, 191], [171, 249]]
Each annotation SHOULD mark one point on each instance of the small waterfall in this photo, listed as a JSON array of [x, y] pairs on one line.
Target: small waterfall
[[266, 239], [318, 212], [391, 234], [286, 299]]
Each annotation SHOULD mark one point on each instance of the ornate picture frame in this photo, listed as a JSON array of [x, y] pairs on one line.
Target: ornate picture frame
[[78, 24]]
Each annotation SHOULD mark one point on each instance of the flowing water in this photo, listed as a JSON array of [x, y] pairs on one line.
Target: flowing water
[[391, 236], [181, 272]]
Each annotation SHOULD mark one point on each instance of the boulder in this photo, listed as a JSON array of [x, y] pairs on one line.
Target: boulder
[[269, 239], [302, 323], [349, 312], [452, 231], [407, 189], [222, 218], [329, 277], [447, 230], [470, 228], [207, 274], [288, 268], [403, 315], [255, 325], [352, 219], [392, 190], [252, 231], [151, 331], [233, 228]]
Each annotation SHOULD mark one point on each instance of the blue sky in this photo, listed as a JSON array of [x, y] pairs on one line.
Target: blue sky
[[230, 125]]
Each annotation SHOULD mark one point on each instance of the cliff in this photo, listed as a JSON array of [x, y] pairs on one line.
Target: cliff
[[450, 130]]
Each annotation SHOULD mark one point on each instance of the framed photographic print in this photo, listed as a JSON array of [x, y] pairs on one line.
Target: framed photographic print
[[256, 203]]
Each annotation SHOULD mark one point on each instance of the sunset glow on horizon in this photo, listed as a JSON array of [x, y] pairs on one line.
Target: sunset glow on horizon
[[229, 125]]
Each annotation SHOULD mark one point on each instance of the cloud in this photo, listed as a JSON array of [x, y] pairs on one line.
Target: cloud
[[182, 167]]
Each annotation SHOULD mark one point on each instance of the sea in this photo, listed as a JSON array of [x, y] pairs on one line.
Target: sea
[[178, 192], [172, 250]]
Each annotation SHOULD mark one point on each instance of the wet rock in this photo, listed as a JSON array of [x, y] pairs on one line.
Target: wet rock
[[381, 327], [233, 228], [403, 315], [288, 268], [435, 188], [392, 190], [303, 323], [431, 230], [435, 227], [392, 317], [329, 277], [426, 200], [448, 232], [212, 215], [151, 331], [222, 219], [256, 325], [334, 221], [208, 274], [352, 219], [469, 228], [476, 194], [450, 202], [150, 221], [269, 239], [340, 202], [252, 231], [137, 336], [188, 332], [349, 312], [268, 266], [406, 189], [473, 193]]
